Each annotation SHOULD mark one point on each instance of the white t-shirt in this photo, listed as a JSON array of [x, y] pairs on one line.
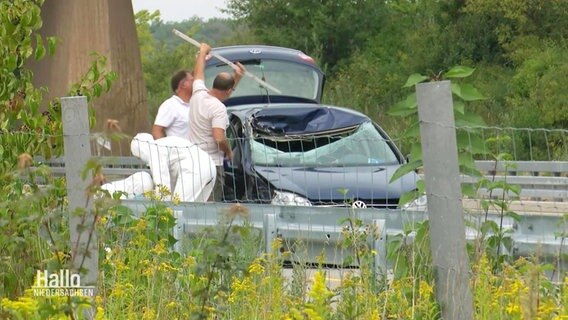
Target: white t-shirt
[[206, 113], [173, 115]]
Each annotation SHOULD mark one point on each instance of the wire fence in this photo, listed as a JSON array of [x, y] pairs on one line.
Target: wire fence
[[349, 169], [336, 169], [317, 194]]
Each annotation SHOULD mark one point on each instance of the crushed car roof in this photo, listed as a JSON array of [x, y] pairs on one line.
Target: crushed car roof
[[303, 120]]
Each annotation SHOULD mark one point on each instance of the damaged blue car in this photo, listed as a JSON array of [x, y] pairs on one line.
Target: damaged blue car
[[289, 149]]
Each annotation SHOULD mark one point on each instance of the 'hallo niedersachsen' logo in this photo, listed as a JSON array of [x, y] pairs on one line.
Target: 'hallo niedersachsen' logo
[[63, 283]]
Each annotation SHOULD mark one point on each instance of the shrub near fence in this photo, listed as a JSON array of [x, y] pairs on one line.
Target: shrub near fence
[[240, 285]]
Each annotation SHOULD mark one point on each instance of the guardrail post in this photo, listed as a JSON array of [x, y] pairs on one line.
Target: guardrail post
[[77, 148], [443, 189], [380, 246], [269, 226], [177, 230]]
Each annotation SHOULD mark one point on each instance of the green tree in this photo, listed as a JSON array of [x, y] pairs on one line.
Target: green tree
[[328, 30], [161, 56], [26, 127], [23, 128], [163, 53]]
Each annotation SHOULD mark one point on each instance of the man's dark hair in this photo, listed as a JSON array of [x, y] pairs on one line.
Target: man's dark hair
[[177, 78], [223, 81]]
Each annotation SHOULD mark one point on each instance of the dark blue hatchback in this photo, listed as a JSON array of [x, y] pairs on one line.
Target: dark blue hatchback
[[289, 149]]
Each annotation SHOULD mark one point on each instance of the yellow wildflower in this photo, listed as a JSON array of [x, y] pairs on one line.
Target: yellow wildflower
[[120, 290], [160, 247], [319, 290], [24, 305], [189, 261], [256, 267], [59, 255], [165, 266], [163, 191], [276, 244], [148, 314], [120, 266], [148, 272], [425, 290], [312, 315], [513, 308], [100, 314], [140, 225]]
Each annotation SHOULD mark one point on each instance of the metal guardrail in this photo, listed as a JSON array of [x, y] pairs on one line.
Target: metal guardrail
[[539, 180], [310, 231]]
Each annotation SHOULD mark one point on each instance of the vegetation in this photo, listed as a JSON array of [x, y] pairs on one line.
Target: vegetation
[[369, 48], [223, 272]]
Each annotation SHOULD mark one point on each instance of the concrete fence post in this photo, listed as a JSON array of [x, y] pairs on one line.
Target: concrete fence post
[[83, 237], [443, 190]]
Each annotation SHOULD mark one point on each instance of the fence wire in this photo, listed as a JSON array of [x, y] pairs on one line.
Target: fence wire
[[524, 166], [285, 181]]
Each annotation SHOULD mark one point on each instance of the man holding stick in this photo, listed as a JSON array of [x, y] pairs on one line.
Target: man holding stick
[[208, 117]]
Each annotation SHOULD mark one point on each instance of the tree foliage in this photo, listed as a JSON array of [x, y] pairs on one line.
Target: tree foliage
[[330, 30], [19, 100], [28, 125], [163, 54], [369, 48]]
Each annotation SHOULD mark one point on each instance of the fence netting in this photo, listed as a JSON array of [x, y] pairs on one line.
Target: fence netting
[[327, 201]]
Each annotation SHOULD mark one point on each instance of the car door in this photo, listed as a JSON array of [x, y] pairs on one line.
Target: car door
[[234, 187]]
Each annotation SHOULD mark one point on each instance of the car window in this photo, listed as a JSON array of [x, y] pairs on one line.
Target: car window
[[362, 145], [231, 137], [293, 79]]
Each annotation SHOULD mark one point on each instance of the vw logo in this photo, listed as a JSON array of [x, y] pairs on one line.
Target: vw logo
[[358, 204], [255, 51]]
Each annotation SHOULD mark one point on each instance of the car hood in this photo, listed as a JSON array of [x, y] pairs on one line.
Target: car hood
[[337, 184]]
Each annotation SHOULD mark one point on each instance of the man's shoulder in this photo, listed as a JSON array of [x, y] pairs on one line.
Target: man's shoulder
[[171, 101], [216, 104], [199, 85]]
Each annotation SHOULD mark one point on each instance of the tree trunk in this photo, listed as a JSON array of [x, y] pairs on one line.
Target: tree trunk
[[106, 27]]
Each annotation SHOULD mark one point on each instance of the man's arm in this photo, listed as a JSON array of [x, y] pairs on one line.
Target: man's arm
[[223, 143], [199, 68], [158, 132]]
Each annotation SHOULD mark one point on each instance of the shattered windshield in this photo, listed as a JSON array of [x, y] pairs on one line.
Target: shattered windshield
[[358, 146], [292, 79]]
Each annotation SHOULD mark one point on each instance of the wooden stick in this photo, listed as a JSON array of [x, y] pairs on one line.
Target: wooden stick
[[232, 65]]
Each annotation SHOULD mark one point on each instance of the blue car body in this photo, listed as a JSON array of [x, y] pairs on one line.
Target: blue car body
[[289, 149]]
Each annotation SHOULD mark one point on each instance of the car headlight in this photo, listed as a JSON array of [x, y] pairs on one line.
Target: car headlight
[[289, 199], [418, 204]]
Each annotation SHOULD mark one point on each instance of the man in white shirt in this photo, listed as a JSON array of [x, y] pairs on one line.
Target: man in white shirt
[[208, 117], [172, 118]]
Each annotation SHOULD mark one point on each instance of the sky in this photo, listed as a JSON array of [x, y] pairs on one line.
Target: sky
[[179, 10]]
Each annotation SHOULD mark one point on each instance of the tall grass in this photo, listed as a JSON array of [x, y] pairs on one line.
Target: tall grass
[[224, 274]]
